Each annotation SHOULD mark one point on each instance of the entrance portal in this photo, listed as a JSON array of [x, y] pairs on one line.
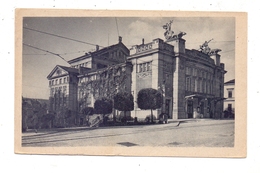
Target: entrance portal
[[190, 109]]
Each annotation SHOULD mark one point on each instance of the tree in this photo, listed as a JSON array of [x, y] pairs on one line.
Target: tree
[[47, 119], [103, 106], [87, 111], [124, 101], [63, 116], [149, 98]]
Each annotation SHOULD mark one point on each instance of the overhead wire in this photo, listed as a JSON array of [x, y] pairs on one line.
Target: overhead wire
[[59, 54], [46, 51], [61, 36]]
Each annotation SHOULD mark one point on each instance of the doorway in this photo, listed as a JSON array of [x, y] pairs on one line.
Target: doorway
[[167, 107], [190, 109]]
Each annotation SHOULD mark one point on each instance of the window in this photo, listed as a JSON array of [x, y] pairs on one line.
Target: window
[[64, 89], [196, 85], [140, 67], [194, 72], [64, 80], [187, 84], [187, 70], [205, 87], [149, 66], [198, 73], [60, 81], [229, 107], [144, 67], [208, 88], [229, 94], [52, 92], [220, 90], [56, 81], [199, 85], [192, 84]]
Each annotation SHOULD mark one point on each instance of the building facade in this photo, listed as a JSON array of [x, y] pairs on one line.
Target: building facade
[[229, 102], [191, 81], [97, 74]]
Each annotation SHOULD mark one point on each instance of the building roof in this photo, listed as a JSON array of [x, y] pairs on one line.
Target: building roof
[[230, 82], [100, 51], [105, 69], [70, 70]]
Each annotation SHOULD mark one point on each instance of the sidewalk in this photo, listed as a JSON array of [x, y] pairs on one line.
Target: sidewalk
[[188, 120], [78, 128]]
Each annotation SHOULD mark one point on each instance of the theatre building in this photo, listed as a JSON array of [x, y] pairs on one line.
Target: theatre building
[[190, 80]]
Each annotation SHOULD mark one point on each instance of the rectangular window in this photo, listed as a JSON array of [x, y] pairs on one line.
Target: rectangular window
[[229, 107], [187, 84], [140, 67], [195, 72], [229, 94], [196, 85], [149, 66], [192, 84], [60, 81], [199, 86], [205, 87], [187, 70], [144, 66]]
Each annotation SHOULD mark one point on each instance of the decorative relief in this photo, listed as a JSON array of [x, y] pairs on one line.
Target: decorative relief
[[144, 47], [144, 74]]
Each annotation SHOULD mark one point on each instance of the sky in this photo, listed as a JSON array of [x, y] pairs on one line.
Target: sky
[[104, 31]]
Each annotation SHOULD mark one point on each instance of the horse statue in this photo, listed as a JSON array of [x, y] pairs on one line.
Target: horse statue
[[205, 47], [214, 51], [181, 34], [168, 34]]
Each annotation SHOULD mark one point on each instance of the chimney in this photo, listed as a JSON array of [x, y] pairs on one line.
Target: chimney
[[143, 41], [120, 39], [97, 47]]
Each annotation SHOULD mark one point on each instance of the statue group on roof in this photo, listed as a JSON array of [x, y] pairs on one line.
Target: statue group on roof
[[168, 34]]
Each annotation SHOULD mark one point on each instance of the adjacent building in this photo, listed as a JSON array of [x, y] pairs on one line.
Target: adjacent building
[[229, 102], [191, 81], [97, 74]]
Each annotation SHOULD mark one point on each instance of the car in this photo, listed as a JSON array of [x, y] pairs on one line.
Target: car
[[95, 120]]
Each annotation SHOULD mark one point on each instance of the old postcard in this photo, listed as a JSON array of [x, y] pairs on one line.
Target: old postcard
[[130, 83]]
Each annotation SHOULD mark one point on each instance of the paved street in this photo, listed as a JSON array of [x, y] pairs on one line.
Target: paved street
[[195, 133]]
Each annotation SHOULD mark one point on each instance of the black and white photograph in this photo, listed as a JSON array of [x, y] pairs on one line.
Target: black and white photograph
[[103, 85]]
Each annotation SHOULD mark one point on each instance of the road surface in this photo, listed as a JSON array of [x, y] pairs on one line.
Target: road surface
[[195, 133]]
